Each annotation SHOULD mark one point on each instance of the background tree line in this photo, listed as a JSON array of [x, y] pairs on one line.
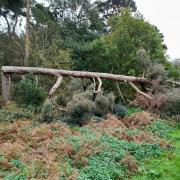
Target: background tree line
[[106, 36]]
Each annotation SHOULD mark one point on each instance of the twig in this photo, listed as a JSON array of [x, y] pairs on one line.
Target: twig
[[173, 82], [36, 80], [119, 90], [62, 109]]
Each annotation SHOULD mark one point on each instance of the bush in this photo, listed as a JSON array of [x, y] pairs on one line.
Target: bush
[[102, 105], [48, 112], [120, 110], [28, 93], [172, 106], [75, 86], [157, 69], [81, 106], [86, 105]]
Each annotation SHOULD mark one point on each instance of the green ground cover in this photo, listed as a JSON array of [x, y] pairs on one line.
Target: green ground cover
[[166, 167]]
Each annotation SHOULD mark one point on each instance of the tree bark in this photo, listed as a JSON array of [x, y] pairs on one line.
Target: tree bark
[[76, 74], [8, 70], [56, 85], [139, 91], [8, 24], [5, 86], [27, 33]]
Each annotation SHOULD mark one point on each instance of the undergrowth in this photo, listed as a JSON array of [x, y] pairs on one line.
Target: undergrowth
[[111, 149], [166, 166], [12, 113]]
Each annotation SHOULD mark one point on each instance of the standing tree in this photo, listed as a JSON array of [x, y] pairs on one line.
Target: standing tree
[[111, 7], [11, 10], [117, 51], [27, 33], [11, 44]]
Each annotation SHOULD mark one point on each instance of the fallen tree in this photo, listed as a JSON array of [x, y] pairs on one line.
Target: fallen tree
[[7, 71]]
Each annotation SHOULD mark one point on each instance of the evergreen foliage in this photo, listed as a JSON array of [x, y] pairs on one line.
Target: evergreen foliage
[[28, 93]]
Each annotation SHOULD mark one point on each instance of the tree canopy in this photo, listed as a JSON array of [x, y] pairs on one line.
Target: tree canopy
[[116, 52], [89, 35]]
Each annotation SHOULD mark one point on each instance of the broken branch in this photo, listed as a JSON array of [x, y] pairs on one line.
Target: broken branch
[[99, 86], [119, 90], [173, 82], [56, 85], [139, 91]]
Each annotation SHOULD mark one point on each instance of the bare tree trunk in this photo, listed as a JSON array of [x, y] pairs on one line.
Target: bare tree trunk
[[8, 70], [77, 74], [14, 26], [5, 86], [27, 33], [8, 25]]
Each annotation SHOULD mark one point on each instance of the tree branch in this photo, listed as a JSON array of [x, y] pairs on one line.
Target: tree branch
[[8, 24], [173, 82], [139, 91], [119, 90], [99, 86], [14, 26], [56, 85]]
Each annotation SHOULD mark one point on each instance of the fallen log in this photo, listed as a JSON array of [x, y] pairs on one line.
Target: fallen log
[[77, 74], [7, 71]]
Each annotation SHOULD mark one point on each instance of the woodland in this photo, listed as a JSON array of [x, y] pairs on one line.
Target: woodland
[[88, 93]]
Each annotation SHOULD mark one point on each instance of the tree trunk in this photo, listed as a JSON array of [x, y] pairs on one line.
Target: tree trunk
[[8, 70], [77, 74], [27, 33], [5, 86]]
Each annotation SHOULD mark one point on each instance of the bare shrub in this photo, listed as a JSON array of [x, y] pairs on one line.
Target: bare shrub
[[172, 105], [157, 69], [138, 119], [156, 101]]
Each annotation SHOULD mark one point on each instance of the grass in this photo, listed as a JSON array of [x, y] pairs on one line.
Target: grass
[[166, 167]]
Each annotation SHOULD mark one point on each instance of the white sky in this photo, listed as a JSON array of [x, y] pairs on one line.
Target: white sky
[[166, 16]]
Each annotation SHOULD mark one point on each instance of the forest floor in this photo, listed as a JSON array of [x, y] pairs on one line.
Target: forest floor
[[139, 146]]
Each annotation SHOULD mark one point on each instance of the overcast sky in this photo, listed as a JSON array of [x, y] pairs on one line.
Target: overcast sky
[[166, 16]]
